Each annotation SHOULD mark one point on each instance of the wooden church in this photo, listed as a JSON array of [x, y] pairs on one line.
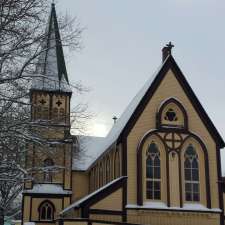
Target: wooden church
[[159, 164]]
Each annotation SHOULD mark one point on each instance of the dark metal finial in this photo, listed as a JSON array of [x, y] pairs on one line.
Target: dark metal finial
[[115, 119]]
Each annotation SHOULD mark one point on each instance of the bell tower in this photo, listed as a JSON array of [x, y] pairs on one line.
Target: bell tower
[[50, 190]]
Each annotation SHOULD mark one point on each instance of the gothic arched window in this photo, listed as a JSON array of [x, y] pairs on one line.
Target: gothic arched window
[[48, 164], [107, 169], [100, 174], [45, 113], [38, 112], [191, 174], [62, 114], [153, 173], [46, 211], [96, 178], [92, 179], [55, 114], [117, 164], [172, 114]]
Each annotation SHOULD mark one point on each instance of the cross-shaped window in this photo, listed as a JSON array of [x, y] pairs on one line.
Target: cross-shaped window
[[42, 101], [58, 103]]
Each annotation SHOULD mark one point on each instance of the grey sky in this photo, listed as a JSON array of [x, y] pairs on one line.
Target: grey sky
[[123, 42]]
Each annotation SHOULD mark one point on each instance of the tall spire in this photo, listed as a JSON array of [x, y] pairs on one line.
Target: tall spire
[[51, 64]]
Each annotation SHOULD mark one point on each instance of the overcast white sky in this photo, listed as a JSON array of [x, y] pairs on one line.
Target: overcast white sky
[[122, 48]]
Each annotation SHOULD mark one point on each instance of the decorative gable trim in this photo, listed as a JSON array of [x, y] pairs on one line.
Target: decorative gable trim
[[170, 63]]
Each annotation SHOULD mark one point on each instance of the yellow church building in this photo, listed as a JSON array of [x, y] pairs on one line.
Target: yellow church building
[[159, 164]]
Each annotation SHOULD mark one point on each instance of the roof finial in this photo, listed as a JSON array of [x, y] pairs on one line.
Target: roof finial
[[169, 46], [167, 50], [115, 119]]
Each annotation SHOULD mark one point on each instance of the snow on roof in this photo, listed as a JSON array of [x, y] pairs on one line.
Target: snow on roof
[[47, 189], [85, 198], [96, 148], [49, 83], [89, 151]]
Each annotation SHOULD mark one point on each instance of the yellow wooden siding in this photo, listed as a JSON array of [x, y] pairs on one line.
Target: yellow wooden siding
[[172, 218], [75, 223], [26, 208], [108, 218], [111, 202], [169, 87], [80, 186]]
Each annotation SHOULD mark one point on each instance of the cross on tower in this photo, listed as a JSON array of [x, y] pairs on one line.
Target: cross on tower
[[42, 101], [59, 103]]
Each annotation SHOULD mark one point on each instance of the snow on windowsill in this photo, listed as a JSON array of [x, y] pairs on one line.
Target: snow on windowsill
[[162, 205]]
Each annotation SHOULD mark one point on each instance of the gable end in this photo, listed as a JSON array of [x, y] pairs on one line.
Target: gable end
[[170, 63]]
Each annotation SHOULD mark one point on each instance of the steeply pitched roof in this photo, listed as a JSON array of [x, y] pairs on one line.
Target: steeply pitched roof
[[170, 63], [127, 120], [88, 152], [51, 65]]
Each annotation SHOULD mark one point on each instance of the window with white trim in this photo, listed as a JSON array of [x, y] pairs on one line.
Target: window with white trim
[[191, 175], [153, 173]]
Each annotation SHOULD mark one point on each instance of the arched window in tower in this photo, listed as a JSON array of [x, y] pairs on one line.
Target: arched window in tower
[[48, 164], [38, 112], [55, 114], [46, 211], [153, 173], [61, 114], [107, 169], [45, 113], [117, 164], [191, 175]]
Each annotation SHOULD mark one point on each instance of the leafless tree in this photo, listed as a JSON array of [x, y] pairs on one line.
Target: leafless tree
[[22, 33]]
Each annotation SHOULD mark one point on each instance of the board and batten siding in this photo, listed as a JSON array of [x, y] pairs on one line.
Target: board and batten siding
[[169, 87]]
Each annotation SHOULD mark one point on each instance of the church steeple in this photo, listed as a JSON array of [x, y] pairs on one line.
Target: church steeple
[[51, 73]]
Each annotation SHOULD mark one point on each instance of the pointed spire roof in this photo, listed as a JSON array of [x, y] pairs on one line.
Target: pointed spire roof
[[51, 64]]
